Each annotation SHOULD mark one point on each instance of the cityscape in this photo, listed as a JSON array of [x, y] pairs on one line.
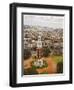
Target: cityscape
[[43, 50]]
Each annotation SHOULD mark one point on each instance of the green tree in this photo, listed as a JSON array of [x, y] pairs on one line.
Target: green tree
[[60, 67], [46, 52], [27, 54]]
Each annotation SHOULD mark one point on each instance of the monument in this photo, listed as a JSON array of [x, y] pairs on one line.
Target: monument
[[39, 46]]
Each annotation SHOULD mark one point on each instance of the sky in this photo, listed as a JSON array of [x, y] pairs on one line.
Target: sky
[[44, 21]]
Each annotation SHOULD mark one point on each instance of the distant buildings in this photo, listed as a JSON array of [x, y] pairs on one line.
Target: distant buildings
[[52, 39]]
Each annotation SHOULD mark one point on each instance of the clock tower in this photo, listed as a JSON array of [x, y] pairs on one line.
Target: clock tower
[[39, 46]]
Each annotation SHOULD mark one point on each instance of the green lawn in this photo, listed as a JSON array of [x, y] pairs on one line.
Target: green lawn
[[57, 59]]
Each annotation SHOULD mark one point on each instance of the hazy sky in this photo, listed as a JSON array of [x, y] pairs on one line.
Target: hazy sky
[[44, 21]]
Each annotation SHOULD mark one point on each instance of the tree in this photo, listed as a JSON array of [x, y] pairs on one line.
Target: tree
[[60, 67], [46, 52], [27, 54]]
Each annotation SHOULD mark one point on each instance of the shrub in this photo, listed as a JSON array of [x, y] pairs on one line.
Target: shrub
[[27, 53], [60, 67], [30, 71], [46, 52]]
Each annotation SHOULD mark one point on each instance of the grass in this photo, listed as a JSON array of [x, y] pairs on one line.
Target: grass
[[44, 73], [57, 59]]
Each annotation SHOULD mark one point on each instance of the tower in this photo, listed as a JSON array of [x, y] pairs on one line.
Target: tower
[[39, 46]]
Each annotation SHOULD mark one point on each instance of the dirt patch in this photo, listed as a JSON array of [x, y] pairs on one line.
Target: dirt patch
[[52, 67]]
